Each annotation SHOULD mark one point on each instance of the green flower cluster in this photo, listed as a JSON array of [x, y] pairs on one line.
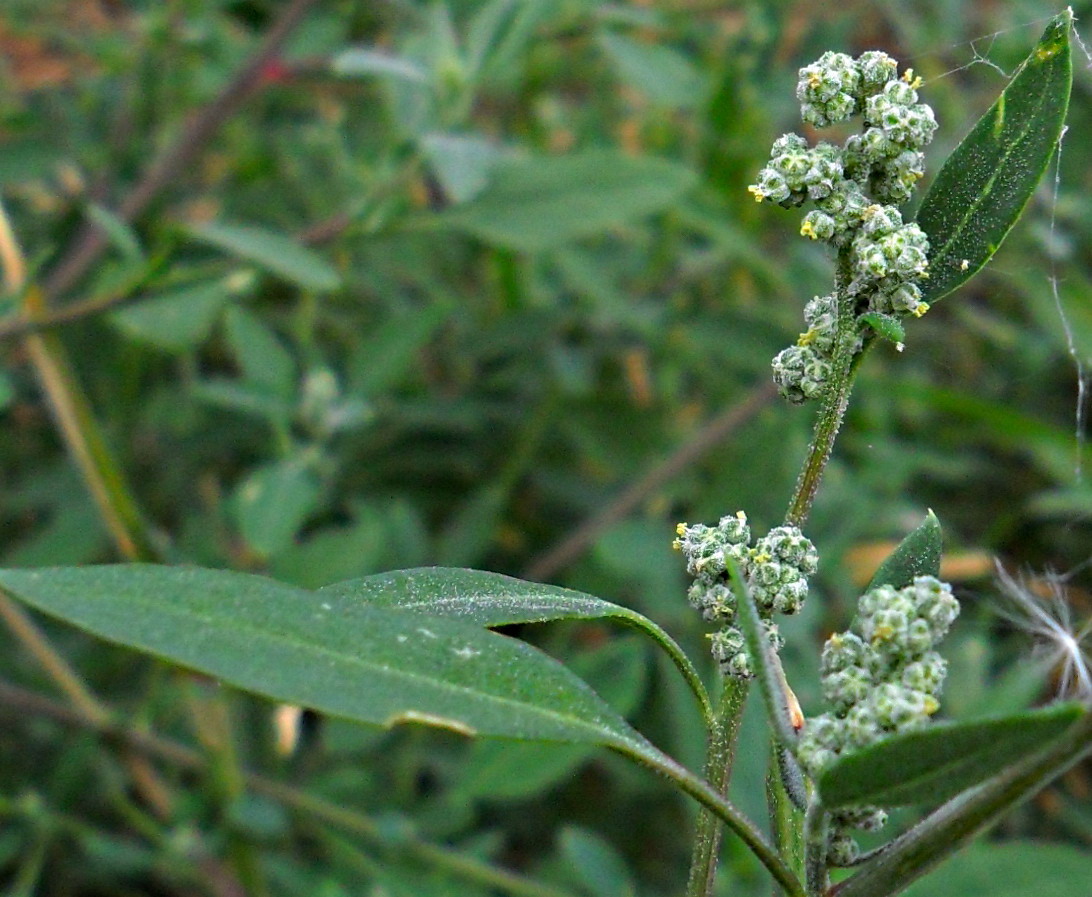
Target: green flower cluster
[[882, 677], [854, 189], [776, 566]]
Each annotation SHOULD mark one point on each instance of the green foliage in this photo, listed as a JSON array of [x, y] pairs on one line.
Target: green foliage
[[448, 285], [985, 184], [916, 555], [933, 764]]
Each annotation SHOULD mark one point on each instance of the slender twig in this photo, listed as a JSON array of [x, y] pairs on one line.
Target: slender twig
[[20, 703], [166, 168], [57, 668], [707, 438], [815, 848]]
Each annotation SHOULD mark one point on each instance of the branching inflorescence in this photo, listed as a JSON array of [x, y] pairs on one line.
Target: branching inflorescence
[[855, 189]]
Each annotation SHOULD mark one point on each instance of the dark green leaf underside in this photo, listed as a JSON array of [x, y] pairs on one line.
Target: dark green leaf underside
[[987, 180], [933, 764]]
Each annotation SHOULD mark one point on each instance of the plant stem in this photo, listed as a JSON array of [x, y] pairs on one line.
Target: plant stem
[[19, 702], [815, 848], [718, 771], [835, 399], [786, 818], [703, 792]]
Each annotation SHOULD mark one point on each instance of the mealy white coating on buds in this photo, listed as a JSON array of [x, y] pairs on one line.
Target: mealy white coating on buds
[[854, 188], [777, 568], [881, 677]]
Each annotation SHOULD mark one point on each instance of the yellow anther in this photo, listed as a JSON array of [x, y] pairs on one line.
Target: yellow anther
[[762, 558], [680, 529], [883, 633], [807, 230], [756, 191], [921, 309], [932, 705], [814, 79]]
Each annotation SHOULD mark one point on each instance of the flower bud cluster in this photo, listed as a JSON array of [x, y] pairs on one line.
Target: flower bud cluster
[[777, 567], [854, 189], [881, 677]]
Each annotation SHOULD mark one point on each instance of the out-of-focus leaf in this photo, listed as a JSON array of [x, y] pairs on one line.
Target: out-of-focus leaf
[[933, 764], [989, 178], [262, 358], [176, 320], [1010, 869], [355, 661], [916, 555], [120, 234], [595, 864], [361, 61], [492, 599], [7, 390], [660, 72], [461, 163], [273, 502], [276, 253], [387, 354], [542, 202]]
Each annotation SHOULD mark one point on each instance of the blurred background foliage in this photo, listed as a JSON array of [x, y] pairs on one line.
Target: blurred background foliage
[[478, 283]]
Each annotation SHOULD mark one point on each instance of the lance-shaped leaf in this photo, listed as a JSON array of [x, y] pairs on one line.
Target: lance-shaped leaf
[[933, 764], [916, 555], [492, 599], [355, 660], [987, 180], [764, 660], [953, 824]]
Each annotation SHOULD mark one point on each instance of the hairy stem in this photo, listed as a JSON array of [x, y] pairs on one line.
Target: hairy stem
[[835, 399], [815, 848], [718, 771]]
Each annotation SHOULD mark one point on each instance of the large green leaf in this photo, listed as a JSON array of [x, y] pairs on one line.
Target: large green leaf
[[177, 319], [348, 659], [492, 599], [543, 202], [276, 253], [916, 555], [987, 180], [933, 764], [1011, 869]]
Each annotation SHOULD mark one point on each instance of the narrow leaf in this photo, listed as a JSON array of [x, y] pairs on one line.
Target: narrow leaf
[[272, 503], [276, 253], [949, 827], [764, 660], [354, 660], [916, 555], [120, 234], [543, 202], [989, 178], [933, 764], [492, 599], [362, 62]]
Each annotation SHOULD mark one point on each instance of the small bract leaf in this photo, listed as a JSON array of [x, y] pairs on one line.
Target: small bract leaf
[[933, 764], [987, 180], [355, 660], [492, 599], [916, 555], [887, 326]]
